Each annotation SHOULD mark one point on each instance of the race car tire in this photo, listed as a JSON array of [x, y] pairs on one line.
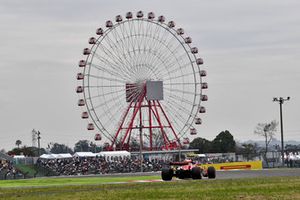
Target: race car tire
[[196, 173], [211, 172], [166, 174]]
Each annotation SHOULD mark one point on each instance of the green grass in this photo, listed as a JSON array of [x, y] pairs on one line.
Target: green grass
[[27, 169], [251, 188], [45, 182]]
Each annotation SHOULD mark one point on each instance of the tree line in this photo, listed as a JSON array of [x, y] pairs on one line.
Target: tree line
[[80, 146], [224, 142]]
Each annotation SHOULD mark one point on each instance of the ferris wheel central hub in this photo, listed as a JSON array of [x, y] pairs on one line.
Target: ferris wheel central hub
[[153, 89]]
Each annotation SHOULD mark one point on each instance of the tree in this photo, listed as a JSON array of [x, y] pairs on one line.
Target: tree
[[292, 147], [202, 144], [60, 148], [105, 146], [134, 145], [81, 145], [85, 145], [248, 150], [157, 140], [26, 151], [18, 143], [94, 148], [266, 130], [223, 143]]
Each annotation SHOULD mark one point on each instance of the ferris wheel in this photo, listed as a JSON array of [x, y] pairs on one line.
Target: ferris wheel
[[141, 83]]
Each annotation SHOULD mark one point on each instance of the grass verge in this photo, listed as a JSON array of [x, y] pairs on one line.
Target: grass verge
[[251, 188], [59, 181]]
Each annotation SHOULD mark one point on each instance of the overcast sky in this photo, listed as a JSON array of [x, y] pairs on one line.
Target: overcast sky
[[251, 50]]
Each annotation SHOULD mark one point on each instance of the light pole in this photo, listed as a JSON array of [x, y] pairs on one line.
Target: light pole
[[39, 144], [281, 100]]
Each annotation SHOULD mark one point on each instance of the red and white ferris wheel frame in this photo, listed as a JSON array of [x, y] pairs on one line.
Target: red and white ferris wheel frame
[[112, 39]]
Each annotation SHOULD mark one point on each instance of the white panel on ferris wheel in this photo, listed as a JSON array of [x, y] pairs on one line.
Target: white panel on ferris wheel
[[154, 90]]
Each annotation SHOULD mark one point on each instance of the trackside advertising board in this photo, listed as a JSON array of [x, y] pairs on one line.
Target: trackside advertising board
[[252, 165]]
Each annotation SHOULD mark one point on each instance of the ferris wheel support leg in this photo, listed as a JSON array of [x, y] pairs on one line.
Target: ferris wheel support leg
[[130, 131], [128, 134], [156, 115], [153, 112], [121, 124], [177, 139], [166, 139], [141, 128], [150, 125], [136, 109]]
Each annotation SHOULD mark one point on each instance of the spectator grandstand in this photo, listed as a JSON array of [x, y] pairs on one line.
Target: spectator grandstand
[[8, 170], [98, 165]]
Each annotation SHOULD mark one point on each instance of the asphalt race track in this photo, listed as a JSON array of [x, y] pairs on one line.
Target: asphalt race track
[[258, 173], [232, 174], [235, 174], [227, 174]]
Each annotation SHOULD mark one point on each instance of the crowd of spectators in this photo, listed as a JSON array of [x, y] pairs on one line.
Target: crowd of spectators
[[8, 171], [292, 159], [99, 165]]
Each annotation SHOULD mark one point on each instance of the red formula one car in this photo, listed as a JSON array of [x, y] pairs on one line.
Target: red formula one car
[[187, 169]]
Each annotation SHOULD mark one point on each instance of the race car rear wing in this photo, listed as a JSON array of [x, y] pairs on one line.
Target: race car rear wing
[[180, 163]]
